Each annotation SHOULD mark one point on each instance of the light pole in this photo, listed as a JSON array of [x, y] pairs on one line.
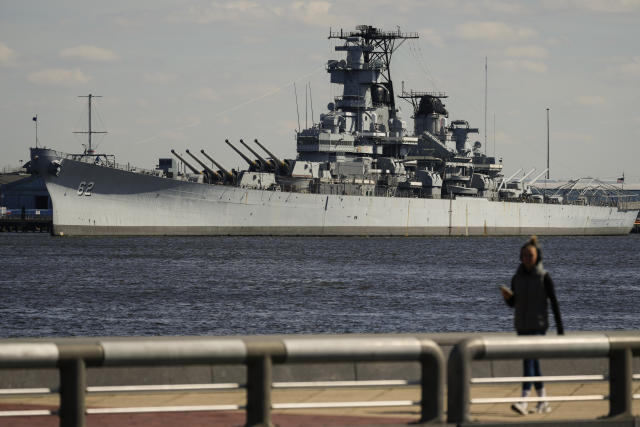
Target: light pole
[[547, 180]]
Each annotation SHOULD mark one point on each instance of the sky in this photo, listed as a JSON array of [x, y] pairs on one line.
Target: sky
[[188, 74]]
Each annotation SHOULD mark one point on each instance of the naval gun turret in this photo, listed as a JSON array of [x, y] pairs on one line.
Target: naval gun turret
[[187, 164], [253, 165], [228, 175], [265, 165], [281, 166], [211, 174]]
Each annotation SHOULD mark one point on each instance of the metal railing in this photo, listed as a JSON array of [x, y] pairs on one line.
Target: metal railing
[[257, 355], [618, 349]]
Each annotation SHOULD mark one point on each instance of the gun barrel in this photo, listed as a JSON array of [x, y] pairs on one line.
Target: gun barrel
[[258, 156], [207, 168], [277, 160], [218, 165], [185, 162], [246, 159]]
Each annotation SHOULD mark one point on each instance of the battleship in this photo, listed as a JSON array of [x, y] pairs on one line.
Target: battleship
[[358, 171]]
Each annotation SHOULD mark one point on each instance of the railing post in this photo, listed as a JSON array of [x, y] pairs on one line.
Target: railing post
[[259, 373], [432, 383], [72, 366], [72, 393], [620, 382], [459, 379]]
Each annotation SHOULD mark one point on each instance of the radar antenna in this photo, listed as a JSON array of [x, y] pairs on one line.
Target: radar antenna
[[381, 45], [414, 97]]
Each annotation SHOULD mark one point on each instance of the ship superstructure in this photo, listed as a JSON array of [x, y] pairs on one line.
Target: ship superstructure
[[358, 171]]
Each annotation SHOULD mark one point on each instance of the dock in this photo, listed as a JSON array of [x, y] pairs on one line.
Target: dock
[[26, 225]]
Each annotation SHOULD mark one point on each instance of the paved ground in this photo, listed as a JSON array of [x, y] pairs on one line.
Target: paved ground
[[310, 417]]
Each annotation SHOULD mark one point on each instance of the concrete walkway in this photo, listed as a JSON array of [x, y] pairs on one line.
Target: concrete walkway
[[311, 417]]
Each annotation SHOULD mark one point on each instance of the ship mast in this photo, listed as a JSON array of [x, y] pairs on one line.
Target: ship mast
[[485, 104], [89, 149], [381, 45]]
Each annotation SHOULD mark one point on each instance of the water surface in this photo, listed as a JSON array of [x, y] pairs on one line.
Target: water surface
[[51, 286]]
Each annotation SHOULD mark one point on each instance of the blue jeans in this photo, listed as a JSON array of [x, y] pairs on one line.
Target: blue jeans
[[531, 367]]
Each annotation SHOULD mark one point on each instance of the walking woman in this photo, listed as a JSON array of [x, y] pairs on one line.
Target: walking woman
[[531, 289]]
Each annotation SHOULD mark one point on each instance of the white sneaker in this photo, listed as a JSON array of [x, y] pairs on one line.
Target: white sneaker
[[520, 408], [543, 408]]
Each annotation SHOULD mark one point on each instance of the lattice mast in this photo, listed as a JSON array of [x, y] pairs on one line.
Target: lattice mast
[[381, 45]]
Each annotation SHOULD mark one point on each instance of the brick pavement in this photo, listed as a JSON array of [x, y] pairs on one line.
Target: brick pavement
[[310, 417]]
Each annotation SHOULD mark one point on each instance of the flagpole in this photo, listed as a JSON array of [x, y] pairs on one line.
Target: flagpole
[[35, 119]]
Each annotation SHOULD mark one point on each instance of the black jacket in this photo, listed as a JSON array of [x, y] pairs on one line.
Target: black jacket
[[531, 290]]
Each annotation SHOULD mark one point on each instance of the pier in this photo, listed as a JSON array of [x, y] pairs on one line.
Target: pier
[[26, 220], [26, 225], [452, 379]]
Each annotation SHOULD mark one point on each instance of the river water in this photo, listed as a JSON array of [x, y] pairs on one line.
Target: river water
[[107, 286]]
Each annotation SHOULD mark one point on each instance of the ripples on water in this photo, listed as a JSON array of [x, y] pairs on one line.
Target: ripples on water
[[265, 285]]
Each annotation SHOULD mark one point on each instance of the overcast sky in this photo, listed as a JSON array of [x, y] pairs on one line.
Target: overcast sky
[[188, 74]]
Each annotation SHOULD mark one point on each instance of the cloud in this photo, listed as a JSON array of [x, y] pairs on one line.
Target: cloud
[[142, 103], [501, 6], [492, 31], [286, 127], [480, 8], [631, 68], [314, 13], [206, 94], [593, 6], [573, 136], [221, 11], [158, 77], [58, 77], [432, 37], [523, 65], [6, 54], [525, 58], [89, 53], [527, 51], [591, 100], [174, 134], [253, 39], [311, 13]]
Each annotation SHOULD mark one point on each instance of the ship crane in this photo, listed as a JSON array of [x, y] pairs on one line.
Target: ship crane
[[525, 175], [530, 183], [508, 179]]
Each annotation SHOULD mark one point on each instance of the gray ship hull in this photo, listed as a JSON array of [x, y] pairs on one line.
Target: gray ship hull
[[90, 199]]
